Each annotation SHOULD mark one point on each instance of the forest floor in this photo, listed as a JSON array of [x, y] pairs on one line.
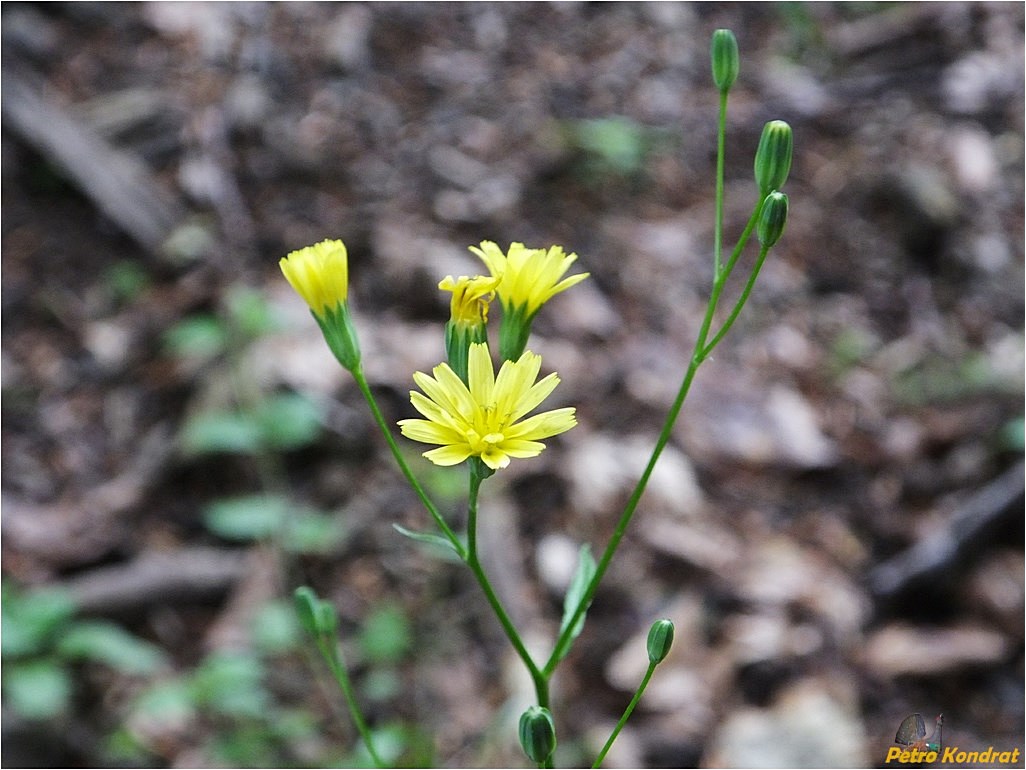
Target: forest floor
[[834, 528]]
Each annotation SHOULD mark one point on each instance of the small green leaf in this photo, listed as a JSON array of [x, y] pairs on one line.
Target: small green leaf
[[250, 311], [427, 537], [385, 636], [31, 619], [222, 431], [230, 683], [251, 517], [288, 421], [166, 702], [202, 336], [309, 532], [37, 690], [275, 628], [112, 645], [575, 592]]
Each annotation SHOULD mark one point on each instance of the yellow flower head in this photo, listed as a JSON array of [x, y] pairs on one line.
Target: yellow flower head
[[484, 419], [528, 277], [319, 274], [470, 298]]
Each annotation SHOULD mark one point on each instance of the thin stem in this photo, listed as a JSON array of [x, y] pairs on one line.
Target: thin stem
[[626, 715], [333, 657], [541, 680], [721, 134], [562, 643], [701, 350], [763, 251], [361, 382], [742, 241]]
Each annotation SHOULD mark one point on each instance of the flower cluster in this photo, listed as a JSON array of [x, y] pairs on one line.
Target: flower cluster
[[468, 410]]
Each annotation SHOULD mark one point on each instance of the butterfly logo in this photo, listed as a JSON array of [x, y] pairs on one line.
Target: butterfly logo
[[912, 733]]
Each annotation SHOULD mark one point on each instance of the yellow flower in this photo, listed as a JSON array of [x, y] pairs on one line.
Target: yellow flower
[[484, 419], [528, 277], [319, 274], [470, 298]]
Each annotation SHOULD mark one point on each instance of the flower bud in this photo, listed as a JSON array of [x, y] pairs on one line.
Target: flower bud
[[660, 637], [468, 317], [320, 275], [773, 157], [537, 734], [306, 608], [772, 219], [725, 59]]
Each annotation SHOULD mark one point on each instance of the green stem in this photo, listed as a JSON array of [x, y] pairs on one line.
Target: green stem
[[701, 350], [541, 680], [333, 657], [626, 714], [763, 251], [721, 138], [361, 383]]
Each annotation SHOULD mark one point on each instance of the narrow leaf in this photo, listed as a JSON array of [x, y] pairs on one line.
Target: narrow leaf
[[578, 586], [426, 537]]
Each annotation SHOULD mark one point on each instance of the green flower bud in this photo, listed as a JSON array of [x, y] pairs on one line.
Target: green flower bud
[[773, 158], [537, 734], [327, 618], [660, 637], [307, 605], [725, 59], [772, 219]]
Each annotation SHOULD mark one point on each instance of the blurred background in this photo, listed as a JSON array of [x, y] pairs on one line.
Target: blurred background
[[834, 528]]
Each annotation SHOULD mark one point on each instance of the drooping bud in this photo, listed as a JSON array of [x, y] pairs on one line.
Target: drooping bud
[[725, 59], [773, 157], [660, 638], [537, 734], [772, 219]]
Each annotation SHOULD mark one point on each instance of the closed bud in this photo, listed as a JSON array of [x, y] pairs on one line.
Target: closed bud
[[306, 608], [327, 618], [660, 638], [773, 158], [725, 59], [772, 219], [537, 734]]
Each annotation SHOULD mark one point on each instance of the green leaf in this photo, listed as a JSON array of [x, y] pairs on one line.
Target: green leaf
[[575, 592], [619, 142], [288, 421], [202, 336], [222, 431], [275, 628], [309, 532], [31, 619], [230, 683], [250, 311], [385, 636], [251, 517], [167, 702], [37, 690], [427, 537], [109, 644]]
